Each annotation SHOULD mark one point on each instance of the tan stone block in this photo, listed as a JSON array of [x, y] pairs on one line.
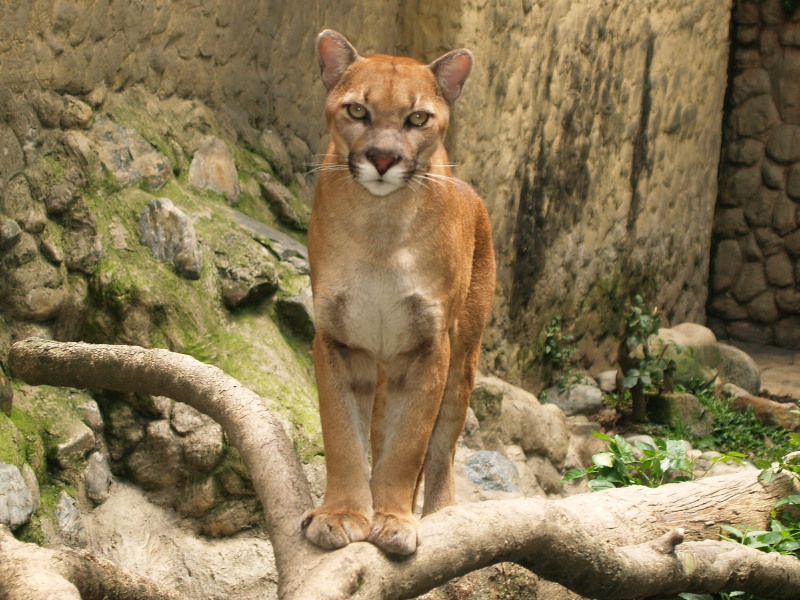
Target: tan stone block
[[788, 301], [793, 182], [750, 83], [762, 308], [726, 307], [752, 281], [769, 241], [780, 270], [754, 116], [740, 187], [727, 263], [784, 144], [787, 335], [746, 151], [759, 211], [730, 223]]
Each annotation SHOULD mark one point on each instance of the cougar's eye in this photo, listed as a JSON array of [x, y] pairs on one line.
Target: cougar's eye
[[357, 111], [418, 118]]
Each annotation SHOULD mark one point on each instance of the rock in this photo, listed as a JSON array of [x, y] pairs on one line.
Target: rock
[[751, 282], [701, 358], [169, 234], [16, 502], [471, 436], [607, 381], [10, 234], [97, 477], [739, 369], [51, 252], [202, 448], [776, 414], [746, 151], [299, 152], [246, 270], [128, 155], [784, 144], [575, 399], [681, 410], [754, 117], [273, 149], [750, 332], [157, 462], [727, 264], [18, 204], [780, 270], [762, 308], [90, 413], [212, 168], [199, 498], [80, 440], [33, 485], [82, 246], [69, 522], [492, 471], [226, 520], [546, 474], [284, 246], [787, 332], [76, 114], [6, 390], [297, 313], [278, 198], [772, 175], [749, 83], [793, 182], [60, 199]]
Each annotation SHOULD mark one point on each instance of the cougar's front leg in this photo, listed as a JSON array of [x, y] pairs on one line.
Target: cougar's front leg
[[346, 383], [415, 383]]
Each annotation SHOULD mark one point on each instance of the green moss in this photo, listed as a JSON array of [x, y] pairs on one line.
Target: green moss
[[13, 447], [35, 441]]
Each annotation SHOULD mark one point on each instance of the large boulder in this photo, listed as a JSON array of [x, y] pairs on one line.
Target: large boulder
[[739, 368], [695, 350]]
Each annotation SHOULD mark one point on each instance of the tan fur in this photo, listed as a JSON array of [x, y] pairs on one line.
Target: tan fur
[[402, 271]]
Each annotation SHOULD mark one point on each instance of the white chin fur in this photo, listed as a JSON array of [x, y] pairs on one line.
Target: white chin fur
[[378, 185]]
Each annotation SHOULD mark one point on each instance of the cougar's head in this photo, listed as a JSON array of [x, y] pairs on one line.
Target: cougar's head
[[387, 115]]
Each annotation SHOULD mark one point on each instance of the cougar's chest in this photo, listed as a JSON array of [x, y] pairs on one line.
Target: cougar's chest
[[386, 307]]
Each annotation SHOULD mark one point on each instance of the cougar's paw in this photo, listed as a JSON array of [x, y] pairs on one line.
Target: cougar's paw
[[330, 529], [394, 534]]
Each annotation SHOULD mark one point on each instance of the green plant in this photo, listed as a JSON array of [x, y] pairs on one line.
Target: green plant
[[643, 368], [622, 466], [557, 354]]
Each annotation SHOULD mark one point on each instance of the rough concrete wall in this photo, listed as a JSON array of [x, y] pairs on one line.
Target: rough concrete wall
[[756, 268], [593, 132], [257, 53], [591, 129]]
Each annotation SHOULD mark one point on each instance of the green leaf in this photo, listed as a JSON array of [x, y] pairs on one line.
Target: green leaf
[[689, 596], [573, 474], [630, 381], [603, 459], [601, 435], [597, 485]]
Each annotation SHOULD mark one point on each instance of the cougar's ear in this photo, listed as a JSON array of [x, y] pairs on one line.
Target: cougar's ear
[[335, 54], [451, 71]]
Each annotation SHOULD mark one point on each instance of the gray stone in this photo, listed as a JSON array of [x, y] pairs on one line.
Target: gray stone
[[492, 471], [750, 332], [784, 214], [273, 149], [740, 187], [752, 281], [10, 234], [780, 270], [60, 199], [33, 485], [90, 414], [745, 151], [282, 245], [784, 144], [51, 252], [83, 248], [786, 74], [724, 306], [128, 155], [169, 234], [772, 175], [48, 105], [185, 419], [681, 410], [759, 210], [16, 201], [212, 168], [78, 443], [299, 152], [790, 34], [700, 358], [738, 368], [16, 502], [157, 462], [97, 477], [727, 264], [6, 389], [575, 399], [278, 198], [69, 522], [730, 223], [750, 249], [754, 116], [788, 300], [230, 518], [297, 313], [546, 474], [787, 333], [537, 428], [769, 241], [202, 447], [247, 270], [76, 114], [792, 243], [471, 436], [793, 182], [762, 308], [607, 381]]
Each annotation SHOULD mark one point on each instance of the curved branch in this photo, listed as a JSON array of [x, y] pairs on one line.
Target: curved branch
[[613, 544], [264, 446], [29, 572]]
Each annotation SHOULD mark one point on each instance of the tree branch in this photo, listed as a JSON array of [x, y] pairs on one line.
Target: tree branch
[[615, 544], [29, 572]]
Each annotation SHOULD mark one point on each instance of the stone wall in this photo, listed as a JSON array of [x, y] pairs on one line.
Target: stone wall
[[755, 277], [591, 130]]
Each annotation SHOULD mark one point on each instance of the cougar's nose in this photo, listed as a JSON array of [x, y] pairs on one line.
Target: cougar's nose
[[383, 161]]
